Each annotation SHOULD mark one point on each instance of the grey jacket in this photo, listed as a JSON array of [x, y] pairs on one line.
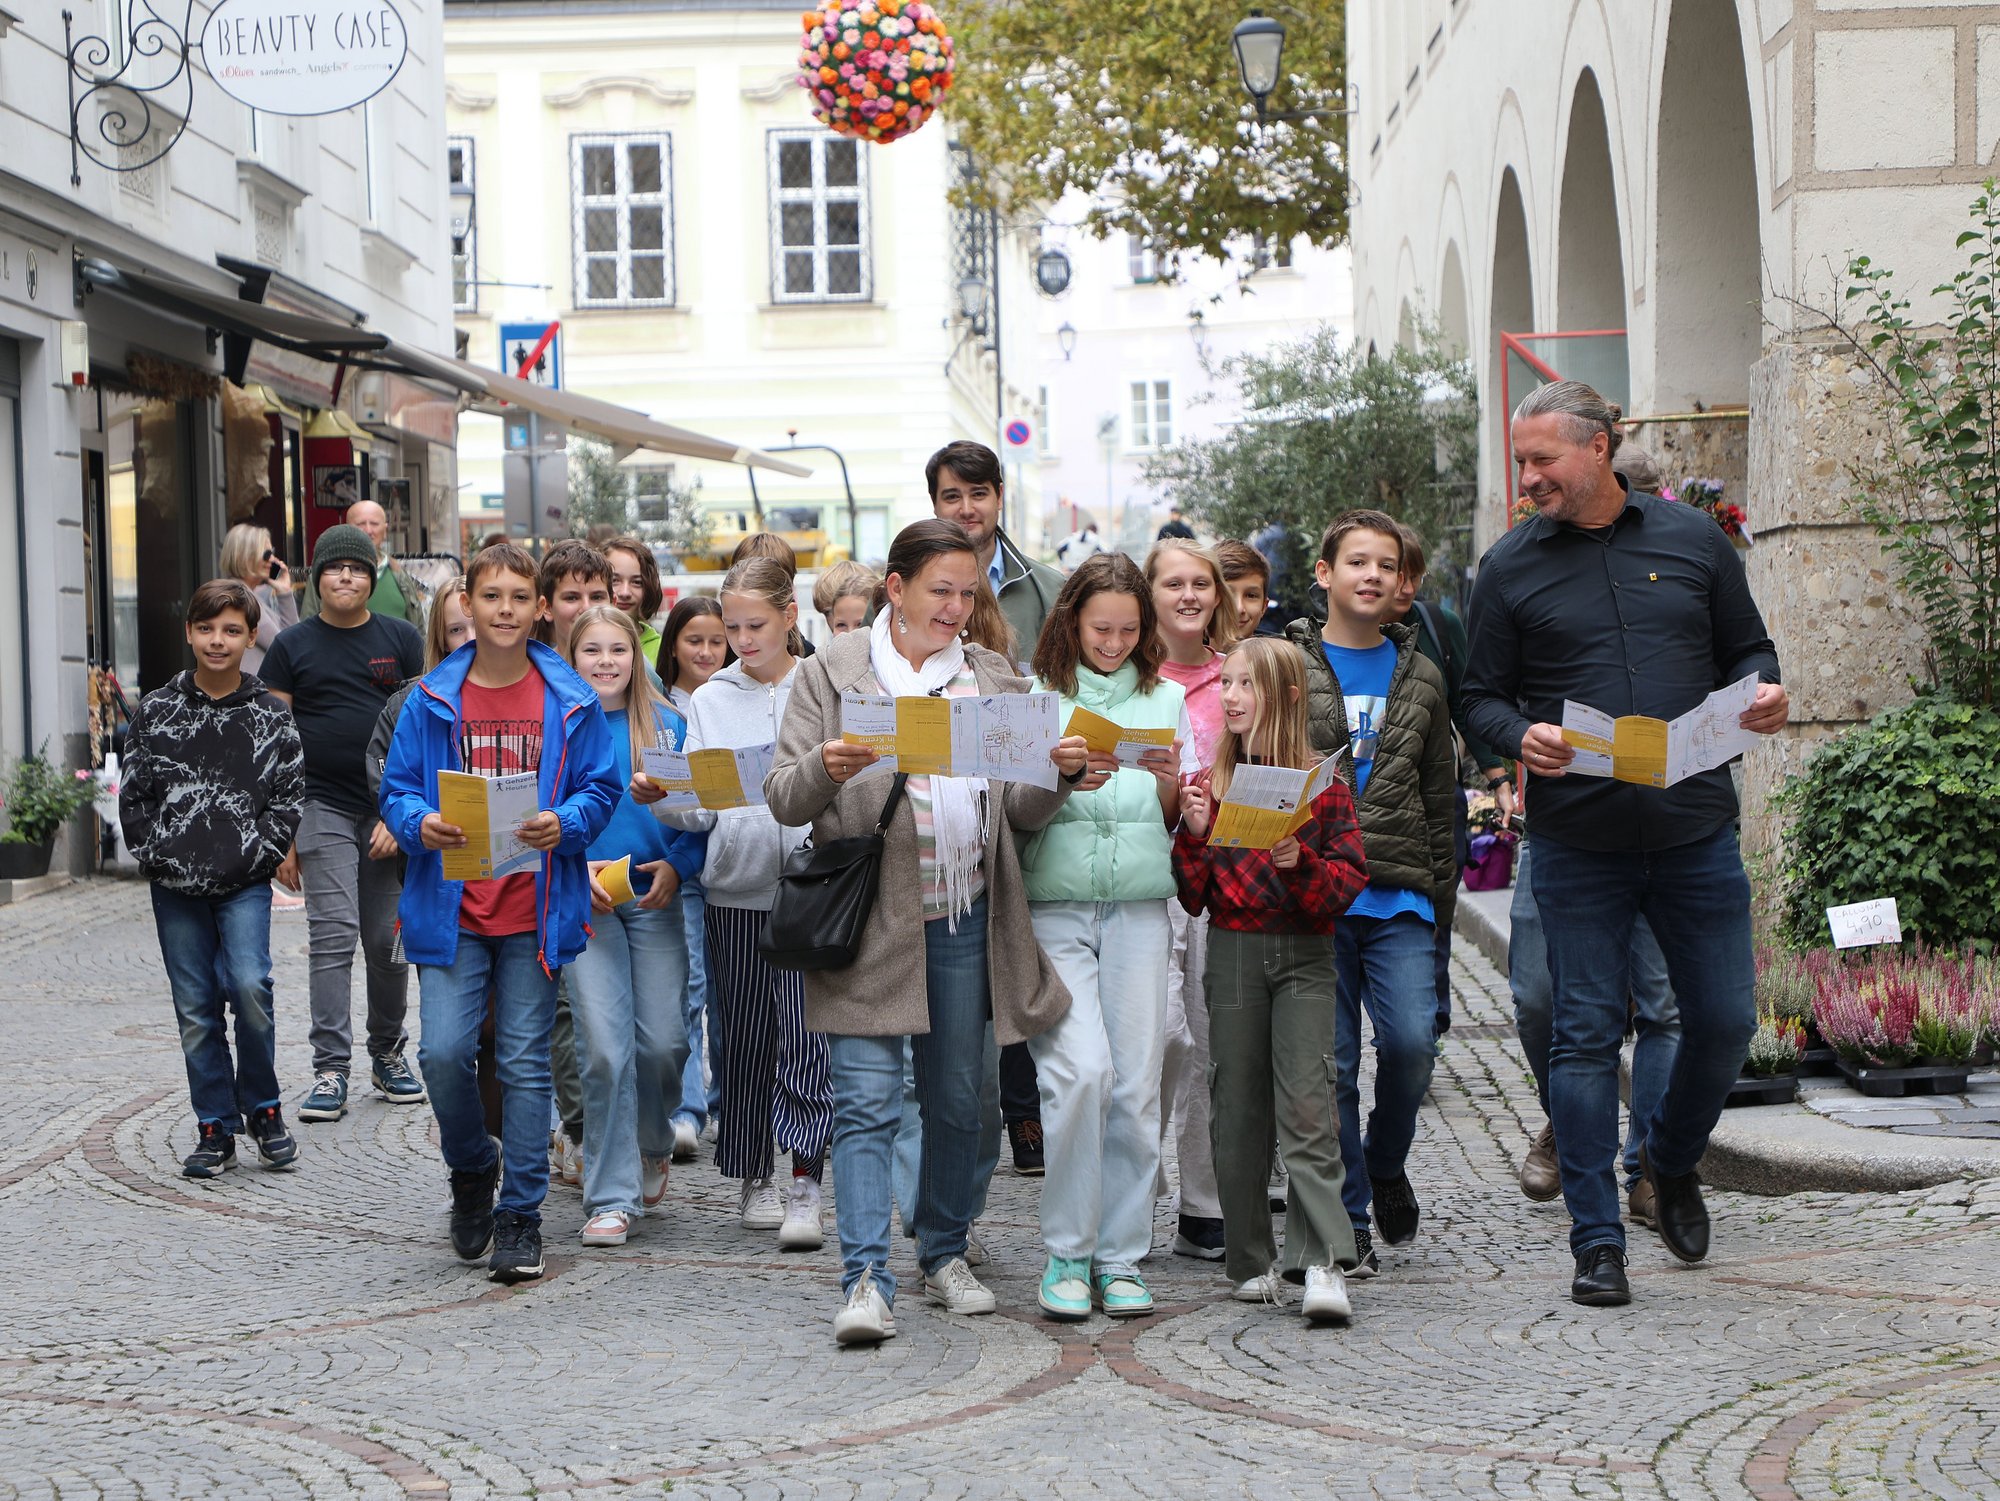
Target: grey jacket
[[1028, 592], [883, 993]]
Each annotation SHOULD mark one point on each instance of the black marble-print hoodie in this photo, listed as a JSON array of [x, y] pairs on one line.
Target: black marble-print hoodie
[[211, 788]]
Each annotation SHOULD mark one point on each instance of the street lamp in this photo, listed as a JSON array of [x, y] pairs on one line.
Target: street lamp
[[1198, 331], [972, 293], [1259, 43], [462, 202], [1066, 338]]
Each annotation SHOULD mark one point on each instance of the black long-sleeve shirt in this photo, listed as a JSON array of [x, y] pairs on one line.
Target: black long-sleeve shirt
[[1647, 616]]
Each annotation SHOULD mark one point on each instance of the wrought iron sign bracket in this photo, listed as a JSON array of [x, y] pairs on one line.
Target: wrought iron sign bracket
[[128, 106]]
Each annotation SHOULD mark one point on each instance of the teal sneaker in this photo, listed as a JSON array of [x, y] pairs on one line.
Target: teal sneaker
[[1122, 1295], [1065, 1291]]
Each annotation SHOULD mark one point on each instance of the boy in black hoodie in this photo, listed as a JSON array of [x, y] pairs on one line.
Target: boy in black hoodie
[[213, 787]]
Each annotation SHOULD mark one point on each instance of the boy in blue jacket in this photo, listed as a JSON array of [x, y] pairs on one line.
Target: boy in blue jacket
[[501, 704]]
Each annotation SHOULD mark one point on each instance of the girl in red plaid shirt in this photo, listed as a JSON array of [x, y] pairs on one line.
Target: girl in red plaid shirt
[[1270, 987]]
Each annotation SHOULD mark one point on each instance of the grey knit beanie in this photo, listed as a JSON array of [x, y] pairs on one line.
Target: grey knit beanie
[[342, 544]]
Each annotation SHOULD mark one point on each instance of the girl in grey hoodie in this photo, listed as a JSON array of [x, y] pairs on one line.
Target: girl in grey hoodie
[[776, 1088]]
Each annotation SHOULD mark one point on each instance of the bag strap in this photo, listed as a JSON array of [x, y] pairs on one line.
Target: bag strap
[[895, 797]]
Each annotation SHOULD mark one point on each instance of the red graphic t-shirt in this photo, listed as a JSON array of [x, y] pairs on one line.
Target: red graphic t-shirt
[[501, 733]]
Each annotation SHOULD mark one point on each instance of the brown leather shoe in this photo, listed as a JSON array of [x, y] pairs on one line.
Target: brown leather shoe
[[1541, 1179], [1639, 1206]]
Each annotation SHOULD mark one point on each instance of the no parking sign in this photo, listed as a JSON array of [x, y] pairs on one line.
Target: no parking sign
[[1018, 433]]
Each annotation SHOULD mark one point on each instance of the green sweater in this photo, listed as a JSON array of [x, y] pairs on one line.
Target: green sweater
[[1111, 845]]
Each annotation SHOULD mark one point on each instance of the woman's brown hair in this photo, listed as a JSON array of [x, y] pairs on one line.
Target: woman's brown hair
[[1060, 648], [765, 579], [687, 609], [1220, 632], [1278, 674], [651, 594], [436, 648], [920, 542]]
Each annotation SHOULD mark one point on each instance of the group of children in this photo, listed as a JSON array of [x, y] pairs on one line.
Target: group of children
[[1214, 992]]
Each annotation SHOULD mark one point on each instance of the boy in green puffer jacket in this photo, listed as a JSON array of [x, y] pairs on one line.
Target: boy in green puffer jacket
[[1372, 693]]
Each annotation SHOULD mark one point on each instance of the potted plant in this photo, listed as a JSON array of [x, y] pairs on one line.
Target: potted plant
[[1786, 986], [38, 799], [1905, 1024], [1770, 1071]]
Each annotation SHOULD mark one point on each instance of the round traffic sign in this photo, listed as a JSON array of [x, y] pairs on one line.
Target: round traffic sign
[[1017, 432]]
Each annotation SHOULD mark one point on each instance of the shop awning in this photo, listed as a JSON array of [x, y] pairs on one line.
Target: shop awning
[[623, 428], [300, 333]]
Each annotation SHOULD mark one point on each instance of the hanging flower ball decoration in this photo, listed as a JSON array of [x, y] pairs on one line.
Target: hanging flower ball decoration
[[875, 69]]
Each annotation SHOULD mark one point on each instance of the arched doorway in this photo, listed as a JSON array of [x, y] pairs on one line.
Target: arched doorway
[[1590, 266], [1454, 322], [1707, 297], [1512, 310]]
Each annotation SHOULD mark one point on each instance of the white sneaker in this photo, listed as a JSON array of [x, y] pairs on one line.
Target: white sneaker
[[1326, 1295], [953, 1288], [606, 1229], [760, 1208], [566, 1159], [866, 1319], [652, 1181], [1268, 1287], [975, 1250], [687, 1140], [803, 1229]]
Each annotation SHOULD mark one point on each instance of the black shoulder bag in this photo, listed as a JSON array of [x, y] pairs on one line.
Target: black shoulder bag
[[825, 893]]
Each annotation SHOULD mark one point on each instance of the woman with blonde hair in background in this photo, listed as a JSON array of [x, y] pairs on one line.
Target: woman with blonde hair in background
[[247, 556]]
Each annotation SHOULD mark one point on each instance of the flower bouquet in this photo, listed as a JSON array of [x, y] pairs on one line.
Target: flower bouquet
[[875, 69], [1706, 495]]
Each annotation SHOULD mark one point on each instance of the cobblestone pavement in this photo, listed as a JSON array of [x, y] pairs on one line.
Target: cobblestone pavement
[[310, 1335]]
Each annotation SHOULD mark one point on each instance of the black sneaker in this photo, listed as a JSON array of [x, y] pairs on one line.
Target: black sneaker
[[517, 1248], [214, 1152], [1026, 1139], [472, 1211], [1396, 1211], [1200, 1237], [274, 1143], [1366, 1262]]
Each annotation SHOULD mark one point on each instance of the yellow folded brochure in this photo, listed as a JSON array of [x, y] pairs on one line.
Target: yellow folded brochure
[[616, 879], [1267, 804], [716, 778], [490, 812], [1108, 738], [1004, 737], [1660, 752]]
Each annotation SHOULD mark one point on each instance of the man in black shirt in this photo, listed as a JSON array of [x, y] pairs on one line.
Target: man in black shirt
[[336, 669], [1629, 604]]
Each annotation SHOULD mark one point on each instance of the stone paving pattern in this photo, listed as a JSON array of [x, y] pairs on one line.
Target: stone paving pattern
[[309, 1335]]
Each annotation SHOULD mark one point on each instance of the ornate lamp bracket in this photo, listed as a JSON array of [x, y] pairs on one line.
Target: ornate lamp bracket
[[127, 105]]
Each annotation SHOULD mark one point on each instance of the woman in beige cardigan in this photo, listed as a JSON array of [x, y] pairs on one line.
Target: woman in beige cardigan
[[950, 920]]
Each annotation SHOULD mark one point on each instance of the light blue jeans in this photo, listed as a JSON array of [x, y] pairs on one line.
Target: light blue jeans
[[910, 1135], [1659, 1018], [699, 1099], [626, 990], [1099, 1070], [452, 1001], [868, 1108], [1386, 964]]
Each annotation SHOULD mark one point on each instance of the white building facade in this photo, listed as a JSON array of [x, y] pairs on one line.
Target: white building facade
[[1131, 363], [1655, 187], [180, 341], [649, 176]]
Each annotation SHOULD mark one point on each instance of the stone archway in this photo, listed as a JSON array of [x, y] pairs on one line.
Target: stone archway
[[1590, 265], [1707, 286], [1511, 310], [1454, 321]]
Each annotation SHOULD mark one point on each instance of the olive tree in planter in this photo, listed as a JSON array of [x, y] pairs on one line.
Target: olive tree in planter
[[38, 799]]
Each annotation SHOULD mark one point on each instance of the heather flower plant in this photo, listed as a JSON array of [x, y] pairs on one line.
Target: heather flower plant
[[1776, 1046], [1891, 1010]]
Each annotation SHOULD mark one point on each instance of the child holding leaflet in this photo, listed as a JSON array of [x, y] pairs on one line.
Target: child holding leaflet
[[774, 1071], [1270, 987], [508, 705], [626, 987]]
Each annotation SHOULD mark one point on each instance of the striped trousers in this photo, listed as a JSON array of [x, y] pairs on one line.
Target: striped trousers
[[777, 1088]]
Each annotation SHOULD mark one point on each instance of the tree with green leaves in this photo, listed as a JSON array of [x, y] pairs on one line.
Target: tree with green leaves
[[604, 493], [1139, 107], [1327, 428]]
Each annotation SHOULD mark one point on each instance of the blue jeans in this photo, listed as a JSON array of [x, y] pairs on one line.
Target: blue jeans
[[868, 1107], [910, 1135], [1659, 1027], [452, 1003], [1386, 964], [698, 1099], [217, 950], [625, 991], [1697, 899]]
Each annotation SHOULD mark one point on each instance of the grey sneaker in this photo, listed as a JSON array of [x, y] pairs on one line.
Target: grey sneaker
[[866, 1318], [397, 1081], [327, 1099], [954, 1289]]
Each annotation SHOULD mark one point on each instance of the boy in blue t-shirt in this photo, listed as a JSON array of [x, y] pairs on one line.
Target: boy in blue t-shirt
[[1374, 695]]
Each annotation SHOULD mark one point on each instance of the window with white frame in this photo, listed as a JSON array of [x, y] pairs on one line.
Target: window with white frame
[[1152, 416], [1142, 260], [1266, 252], [622, 216], [819, 218], [464, 249], [652, 491]]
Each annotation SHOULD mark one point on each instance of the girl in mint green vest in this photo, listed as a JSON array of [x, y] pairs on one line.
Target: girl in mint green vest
[[1099, 881]]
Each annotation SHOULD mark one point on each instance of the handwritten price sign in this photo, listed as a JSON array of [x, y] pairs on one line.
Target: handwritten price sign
[[1861, 924]]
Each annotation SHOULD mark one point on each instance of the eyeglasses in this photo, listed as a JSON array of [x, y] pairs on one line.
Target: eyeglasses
[[347, 570]]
